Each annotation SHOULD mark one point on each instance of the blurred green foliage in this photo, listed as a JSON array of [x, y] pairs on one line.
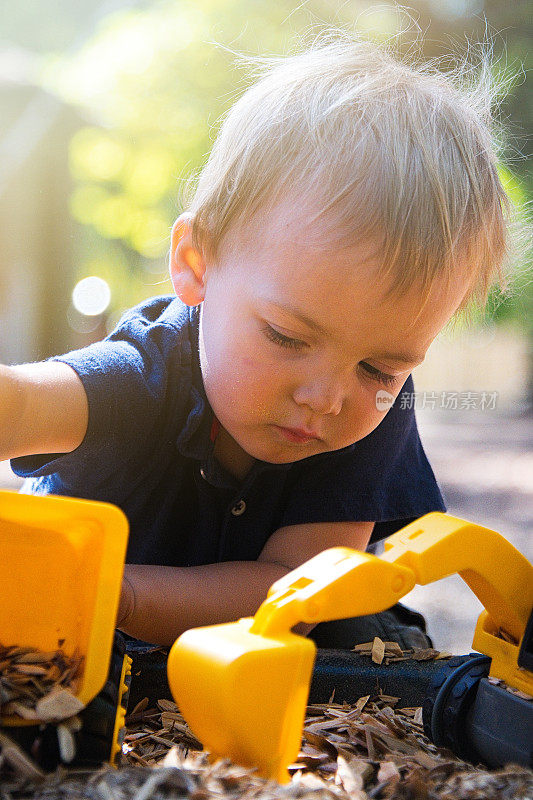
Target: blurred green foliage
[[516, 303], [156, 82]]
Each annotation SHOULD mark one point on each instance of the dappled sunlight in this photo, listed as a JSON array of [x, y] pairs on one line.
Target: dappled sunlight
[[95, 155], [116, 216], [151, 177]]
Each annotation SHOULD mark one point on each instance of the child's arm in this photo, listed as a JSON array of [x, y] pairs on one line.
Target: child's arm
[[43, 409], [293, 545], [159, 603]]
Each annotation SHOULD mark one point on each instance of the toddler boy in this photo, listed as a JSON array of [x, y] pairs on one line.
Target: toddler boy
[[350, 207]]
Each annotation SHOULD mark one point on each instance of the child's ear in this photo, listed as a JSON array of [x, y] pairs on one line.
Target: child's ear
[[186, 264]]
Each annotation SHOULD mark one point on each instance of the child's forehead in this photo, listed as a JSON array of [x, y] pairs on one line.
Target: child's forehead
[[299, 274], [300, 222]]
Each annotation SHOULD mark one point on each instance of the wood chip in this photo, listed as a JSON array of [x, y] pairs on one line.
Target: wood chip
[[31, 669], [361, 703], [310, 781], [393, 649], [141, 706], [425, 655], [392, 652], [365, 647], [167, 705], [67, 744], [20, 710], [349, 777], [387, 771], [378, 650], [519, 693], [506, 636], [172, 758], [57, 705], [19, 761]]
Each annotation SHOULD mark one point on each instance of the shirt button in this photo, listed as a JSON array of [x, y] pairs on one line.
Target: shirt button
[[239, 508]]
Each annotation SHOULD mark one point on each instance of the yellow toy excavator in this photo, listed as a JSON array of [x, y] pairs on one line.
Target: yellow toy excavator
[[243, 686]]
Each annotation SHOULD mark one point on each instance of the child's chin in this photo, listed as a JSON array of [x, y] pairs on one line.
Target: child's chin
[[289, 454]]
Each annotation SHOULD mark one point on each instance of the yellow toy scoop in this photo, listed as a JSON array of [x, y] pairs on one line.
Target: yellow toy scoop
[[62, 561], [243, 686]]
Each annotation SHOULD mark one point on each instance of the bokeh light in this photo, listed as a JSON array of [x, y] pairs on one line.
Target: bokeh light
[[91, 296]]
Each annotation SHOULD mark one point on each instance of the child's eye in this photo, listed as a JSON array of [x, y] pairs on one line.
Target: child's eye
[[378, 375], [281, 339]]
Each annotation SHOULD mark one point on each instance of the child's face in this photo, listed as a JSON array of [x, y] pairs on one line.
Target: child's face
[[297, 340]]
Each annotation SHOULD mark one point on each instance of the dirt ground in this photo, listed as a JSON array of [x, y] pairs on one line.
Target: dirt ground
[[484, 464]]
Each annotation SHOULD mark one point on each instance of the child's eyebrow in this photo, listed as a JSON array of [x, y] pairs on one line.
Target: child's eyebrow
[[315, 326], [400, 358], [404, 358]]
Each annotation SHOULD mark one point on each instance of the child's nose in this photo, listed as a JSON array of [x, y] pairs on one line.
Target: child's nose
[[322, 396]]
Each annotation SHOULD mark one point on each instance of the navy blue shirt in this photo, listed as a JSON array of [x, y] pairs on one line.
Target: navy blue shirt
[[148, 450]]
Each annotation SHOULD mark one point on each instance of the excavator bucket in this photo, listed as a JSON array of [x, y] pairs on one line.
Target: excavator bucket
[[243, 686], [244, 694], [62, 561]]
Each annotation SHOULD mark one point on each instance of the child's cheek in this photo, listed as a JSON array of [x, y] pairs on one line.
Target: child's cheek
[[358, 418], [252, 372]]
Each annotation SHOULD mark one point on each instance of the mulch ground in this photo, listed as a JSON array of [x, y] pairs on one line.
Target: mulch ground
[[350, 752], [367, 750]]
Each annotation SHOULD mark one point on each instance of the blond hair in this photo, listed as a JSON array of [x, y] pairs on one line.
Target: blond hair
[[379, 147]]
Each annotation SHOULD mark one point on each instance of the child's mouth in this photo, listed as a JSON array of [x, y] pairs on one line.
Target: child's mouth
[[298, 435]]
